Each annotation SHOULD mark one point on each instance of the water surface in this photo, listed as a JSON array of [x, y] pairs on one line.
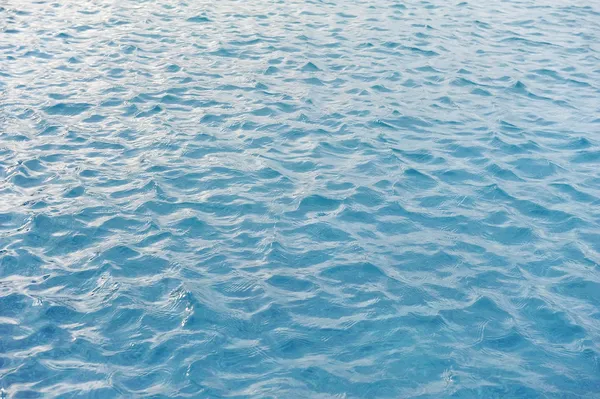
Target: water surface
[[299, 199]]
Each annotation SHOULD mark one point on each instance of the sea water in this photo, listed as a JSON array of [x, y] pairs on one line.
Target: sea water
[[299, 199]]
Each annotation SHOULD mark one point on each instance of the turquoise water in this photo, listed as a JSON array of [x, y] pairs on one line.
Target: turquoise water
[[299, 199]]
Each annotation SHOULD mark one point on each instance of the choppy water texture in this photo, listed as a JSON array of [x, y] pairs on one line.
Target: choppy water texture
[[300, 199]]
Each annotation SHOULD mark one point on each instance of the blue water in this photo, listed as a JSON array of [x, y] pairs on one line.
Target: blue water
[[299, 199]]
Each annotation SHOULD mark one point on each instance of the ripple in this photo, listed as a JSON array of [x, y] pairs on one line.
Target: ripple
[[299, 199]]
